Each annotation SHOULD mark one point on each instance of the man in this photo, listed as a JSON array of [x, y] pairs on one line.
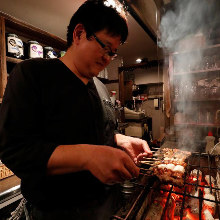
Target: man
[[57, 130]]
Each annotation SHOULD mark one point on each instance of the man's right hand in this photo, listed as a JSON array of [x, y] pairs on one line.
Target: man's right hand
[[110, 165]]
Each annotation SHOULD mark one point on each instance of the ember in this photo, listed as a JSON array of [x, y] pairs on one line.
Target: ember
[[190, 215]]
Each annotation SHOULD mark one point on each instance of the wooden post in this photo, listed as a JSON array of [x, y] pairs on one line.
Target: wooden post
[[121, 91], [121, 86], [3, 67]]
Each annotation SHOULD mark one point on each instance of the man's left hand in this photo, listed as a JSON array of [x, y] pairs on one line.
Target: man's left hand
[[135, 147]]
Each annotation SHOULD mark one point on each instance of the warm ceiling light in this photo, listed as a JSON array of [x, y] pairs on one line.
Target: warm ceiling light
[[117, 5], [138, 60]]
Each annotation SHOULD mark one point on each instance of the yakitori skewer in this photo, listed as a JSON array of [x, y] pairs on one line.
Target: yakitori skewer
[[147, 163], [150, 159]]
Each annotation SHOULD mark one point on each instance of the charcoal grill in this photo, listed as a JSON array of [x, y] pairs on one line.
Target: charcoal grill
[[149, 185]]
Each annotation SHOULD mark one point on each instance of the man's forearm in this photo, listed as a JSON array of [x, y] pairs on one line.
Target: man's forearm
[[106, 163], [68, 159]]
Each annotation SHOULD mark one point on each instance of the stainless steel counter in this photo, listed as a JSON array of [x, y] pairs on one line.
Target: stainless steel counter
[[9, 191]]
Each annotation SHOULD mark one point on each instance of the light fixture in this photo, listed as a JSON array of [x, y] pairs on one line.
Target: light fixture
[[139, 60], [117, 5]]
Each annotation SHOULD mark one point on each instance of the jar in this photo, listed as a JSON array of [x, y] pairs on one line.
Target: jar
[[15, 47], [35, 50], [62, 53], [49, 53]]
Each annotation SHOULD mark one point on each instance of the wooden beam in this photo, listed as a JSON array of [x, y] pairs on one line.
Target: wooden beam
[[3, 67], [145, 27]]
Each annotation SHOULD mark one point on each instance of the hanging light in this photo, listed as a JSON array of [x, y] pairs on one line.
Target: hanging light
[[117, 5], [139, 60]]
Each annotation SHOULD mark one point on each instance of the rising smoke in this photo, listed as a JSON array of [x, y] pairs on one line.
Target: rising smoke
[[187, 25], [187, 18]]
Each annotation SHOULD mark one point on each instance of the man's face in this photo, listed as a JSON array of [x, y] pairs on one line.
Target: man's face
[[91, 58]]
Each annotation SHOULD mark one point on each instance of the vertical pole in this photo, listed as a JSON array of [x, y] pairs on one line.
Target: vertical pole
[[3, 67]]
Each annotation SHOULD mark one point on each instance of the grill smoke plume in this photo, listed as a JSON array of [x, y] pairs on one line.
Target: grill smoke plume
[[187, 18], [186, 25]]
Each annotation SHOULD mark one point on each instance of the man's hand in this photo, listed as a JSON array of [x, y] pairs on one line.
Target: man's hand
[[110, 165], [135, 147]]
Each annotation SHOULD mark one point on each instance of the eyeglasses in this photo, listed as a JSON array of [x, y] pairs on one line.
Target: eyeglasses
[[107, 49]]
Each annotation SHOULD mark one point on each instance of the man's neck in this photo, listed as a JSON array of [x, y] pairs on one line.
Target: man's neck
[[67, 59]]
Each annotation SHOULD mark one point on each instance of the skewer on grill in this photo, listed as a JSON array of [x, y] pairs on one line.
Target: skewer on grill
[[150, 159], [157, 148], [147, 163], [156, 154], [154, 151], [145, 172]]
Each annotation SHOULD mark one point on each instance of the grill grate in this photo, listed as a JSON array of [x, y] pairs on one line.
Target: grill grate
[[203, 162], [196, 160]]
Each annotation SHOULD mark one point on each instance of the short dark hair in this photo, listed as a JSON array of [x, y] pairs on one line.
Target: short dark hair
[[95, 16]]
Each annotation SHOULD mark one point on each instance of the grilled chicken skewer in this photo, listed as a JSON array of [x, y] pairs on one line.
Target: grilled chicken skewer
[[169, 166]]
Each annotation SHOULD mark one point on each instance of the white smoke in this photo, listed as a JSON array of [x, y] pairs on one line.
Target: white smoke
[[185, 27], [187, 18]]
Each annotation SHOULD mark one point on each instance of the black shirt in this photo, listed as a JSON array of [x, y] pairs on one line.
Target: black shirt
[[46, 105]]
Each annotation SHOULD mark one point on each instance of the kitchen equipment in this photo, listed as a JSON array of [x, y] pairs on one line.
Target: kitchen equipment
[[130, 114]]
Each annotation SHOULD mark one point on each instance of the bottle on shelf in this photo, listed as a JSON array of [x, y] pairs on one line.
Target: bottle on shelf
[[113, 97], [209, 142]]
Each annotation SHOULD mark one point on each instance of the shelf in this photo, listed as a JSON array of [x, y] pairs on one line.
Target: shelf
[[198, 49], [107, 81], [198, 124], [197, 100], [195, 105], [139, 100], [13, 60], [197, 71], [151, 84], [155, 96]]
